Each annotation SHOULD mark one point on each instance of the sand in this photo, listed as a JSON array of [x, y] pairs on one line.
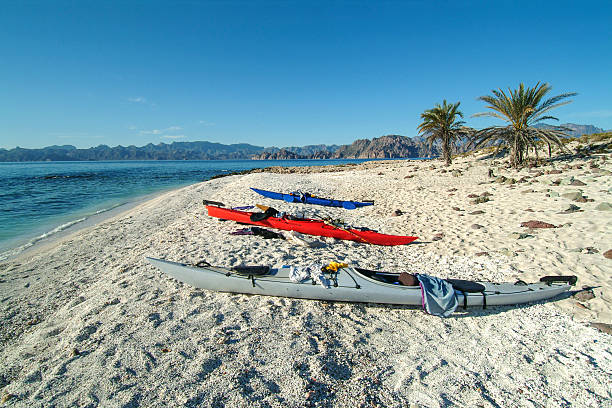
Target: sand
[[88, 322]]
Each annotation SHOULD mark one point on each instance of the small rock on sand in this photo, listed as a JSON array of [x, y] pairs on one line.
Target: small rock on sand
[[574, 195], [519, 235], [584, 295], [477, 226], [608, 254], [572, 208], [477, 212], [537, 224], [604, 207], [604, 327], [480, 200]]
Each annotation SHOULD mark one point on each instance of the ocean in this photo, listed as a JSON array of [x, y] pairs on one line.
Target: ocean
[[39, 200]]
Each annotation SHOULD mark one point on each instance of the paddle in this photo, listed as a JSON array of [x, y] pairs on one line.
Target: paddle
[[331, 223], [349, 205]]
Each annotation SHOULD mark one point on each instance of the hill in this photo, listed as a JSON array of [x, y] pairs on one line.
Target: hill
[[576, 130]]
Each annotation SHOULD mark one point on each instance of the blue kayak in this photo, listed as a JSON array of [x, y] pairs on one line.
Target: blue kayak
[[310, 199]]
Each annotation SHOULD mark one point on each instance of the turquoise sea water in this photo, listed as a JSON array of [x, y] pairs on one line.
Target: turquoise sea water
[[39, 200]]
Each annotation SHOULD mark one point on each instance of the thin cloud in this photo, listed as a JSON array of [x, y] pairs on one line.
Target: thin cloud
[[173, 137], [160, 131], [138, 99], [205, 123]]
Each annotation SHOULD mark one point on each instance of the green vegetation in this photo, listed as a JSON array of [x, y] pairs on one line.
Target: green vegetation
[[440, 123], [596, 137], [521, 109]]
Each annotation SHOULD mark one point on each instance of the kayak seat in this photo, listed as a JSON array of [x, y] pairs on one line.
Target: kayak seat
[[466, 286], [251, 270]]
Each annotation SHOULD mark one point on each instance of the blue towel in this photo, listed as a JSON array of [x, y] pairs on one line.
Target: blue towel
[[439, 297]]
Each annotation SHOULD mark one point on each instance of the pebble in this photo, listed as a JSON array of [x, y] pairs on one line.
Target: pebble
[[573, 195], [477, 212], [604, 207], [519, 235], [572, 208], [537, 224], [477, 226], [480, 200], [604, 327], [608, 254], [584, 295]]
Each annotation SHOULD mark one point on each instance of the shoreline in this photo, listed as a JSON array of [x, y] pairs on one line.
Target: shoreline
[[51, 238], [81, 219]]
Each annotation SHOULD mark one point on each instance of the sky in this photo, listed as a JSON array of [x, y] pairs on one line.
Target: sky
[[285, 73]]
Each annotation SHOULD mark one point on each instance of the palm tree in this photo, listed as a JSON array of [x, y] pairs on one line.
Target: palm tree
[[440, 123], [522, 109]]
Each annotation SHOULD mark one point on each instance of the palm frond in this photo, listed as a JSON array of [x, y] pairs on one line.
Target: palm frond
[[521, 108]]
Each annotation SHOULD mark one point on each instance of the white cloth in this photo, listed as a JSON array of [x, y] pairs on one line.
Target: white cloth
[[300, 239], [301, 273]]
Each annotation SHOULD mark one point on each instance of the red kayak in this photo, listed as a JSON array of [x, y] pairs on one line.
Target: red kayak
[[311, 227]]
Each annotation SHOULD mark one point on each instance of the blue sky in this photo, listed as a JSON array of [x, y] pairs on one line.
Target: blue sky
[[284, 73]]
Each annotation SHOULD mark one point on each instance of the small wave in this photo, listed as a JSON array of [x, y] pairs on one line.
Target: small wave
[[16, 251]]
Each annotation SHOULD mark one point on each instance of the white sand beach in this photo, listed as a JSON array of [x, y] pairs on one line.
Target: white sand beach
[[88, 322]]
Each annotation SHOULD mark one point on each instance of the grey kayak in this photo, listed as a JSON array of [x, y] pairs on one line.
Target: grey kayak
[[353, 285]]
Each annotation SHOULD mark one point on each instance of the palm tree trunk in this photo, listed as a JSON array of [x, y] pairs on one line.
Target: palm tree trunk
[[446, 151]]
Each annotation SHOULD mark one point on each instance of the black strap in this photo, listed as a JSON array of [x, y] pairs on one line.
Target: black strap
[[218, 204], [549, 280], [465, 301], [202, 264]]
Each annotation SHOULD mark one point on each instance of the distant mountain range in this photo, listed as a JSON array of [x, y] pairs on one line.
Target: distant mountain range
[[576, 130], [390, 146]]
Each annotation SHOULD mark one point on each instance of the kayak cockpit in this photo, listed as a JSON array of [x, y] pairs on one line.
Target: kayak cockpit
[[385, 277]]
